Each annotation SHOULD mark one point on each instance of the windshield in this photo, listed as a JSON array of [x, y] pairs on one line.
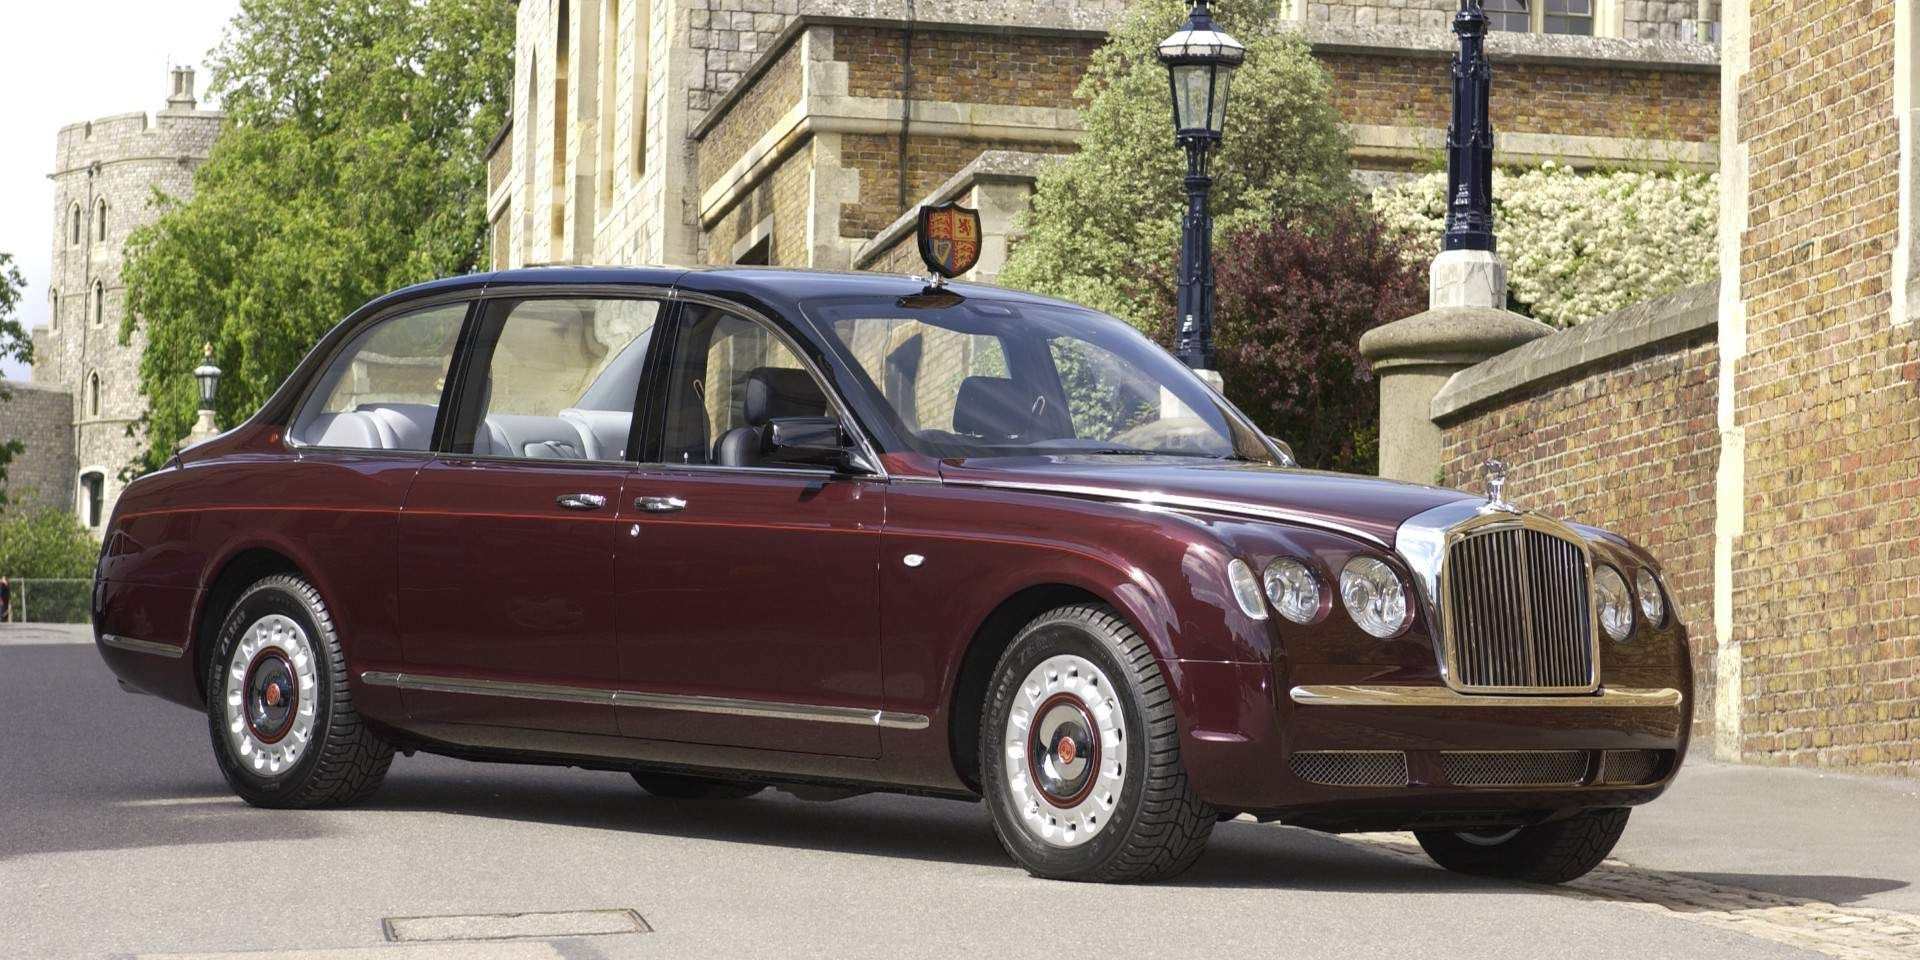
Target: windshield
[[977, 377]]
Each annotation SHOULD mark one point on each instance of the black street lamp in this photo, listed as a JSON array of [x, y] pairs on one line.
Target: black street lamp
[[1200, 60], [1470, 137], [208, 376]]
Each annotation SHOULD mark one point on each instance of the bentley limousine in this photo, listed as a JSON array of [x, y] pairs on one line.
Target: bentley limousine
[[736, 528]]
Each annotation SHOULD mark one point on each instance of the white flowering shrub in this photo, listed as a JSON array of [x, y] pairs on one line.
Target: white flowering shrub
[[1579, 246]]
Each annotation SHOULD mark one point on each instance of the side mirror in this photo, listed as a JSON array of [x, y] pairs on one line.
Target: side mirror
[[807, 442]]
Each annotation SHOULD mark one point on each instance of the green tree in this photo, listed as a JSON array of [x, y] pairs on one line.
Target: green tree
[[14, 345], [352, 165], [45, 543], [1110, 213]]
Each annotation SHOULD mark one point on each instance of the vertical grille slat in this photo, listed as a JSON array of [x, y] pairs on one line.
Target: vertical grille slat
[[1517, 606]]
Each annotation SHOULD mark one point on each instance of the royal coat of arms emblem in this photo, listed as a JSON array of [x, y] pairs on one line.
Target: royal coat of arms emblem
[[949, 238]]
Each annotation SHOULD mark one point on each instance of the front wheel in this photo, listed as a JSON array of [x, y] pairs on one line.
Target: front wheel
[[1080, 755], [285, 731], [1553, 852]]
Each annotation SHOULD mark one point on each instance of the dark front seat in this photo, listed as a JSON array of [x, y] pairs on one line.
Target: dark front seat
[[994, 408], [772, 393]]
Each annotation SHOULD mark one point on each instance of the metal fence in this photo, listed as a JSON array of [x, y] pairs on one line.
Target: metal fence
[[50, 601]]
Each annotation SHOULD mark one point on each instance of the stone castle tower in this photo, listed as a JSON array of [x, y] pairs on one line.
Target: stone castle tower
[[105, 173]]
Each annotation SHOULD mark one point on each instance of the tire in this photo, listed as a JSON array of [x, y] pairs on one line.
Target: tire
[[1554, 852], [674, 786], [277, 657], [1080, 755]]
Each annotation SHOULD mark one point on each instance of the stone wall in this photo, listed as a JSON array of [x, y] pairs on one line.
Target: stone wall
[[1823, 546], [1610, 423], [956, 66], [41, 418], [1640, 19], [775, 210], [930, 162]]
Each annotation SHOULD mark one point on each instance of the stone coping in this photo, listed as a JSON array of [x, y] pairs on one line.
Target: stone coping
[[1509, 47], [1594, 343], [989, 165], [32, 386]]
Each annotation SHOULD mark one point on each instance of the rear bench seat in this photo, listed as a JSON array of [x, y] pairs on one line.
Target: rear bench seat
[[573, 435]]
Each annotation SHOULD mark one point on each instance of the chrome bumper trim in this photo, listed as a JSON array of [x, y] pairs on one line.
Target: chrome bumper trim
[[1336, 695], [152, 647], [727, 706]]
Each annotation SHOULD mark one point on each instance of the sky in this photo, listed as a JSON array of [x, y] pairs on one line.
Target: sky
[[63, 63]]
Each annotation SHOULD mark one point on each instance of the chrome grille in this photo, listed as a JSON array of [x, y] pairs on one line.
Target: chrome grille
[[1517, 608], [1513, 768], [1351, 768]]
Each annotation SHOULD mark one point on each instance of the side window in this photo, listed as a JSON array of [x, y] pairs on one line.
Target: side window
[[924, 365], [383, 391], [561, 377], [729, 377]]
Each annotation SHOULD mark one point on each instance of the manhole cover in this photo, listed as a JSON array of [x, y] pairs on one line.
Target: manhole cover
[[515, 926]]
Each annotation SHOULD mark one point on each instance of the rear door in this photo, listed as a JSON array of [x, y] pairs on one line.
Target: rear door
[[507, 537]]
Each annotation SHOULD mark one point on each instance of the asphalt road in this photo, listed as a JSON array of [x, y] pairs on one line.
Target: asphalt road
[[118, 838]]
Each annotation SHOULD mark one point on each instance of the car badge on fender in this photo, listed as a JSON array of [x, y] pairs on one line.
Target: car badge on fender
[[949, 240]]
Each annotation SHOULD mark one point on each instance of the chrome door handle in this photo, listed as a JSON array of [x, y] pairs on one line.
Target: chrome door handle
[[659, 504], [581, 501]]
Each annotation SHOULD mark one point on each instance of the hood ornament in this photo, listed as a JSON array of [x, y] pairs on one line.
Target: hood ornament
[[1496, 473]]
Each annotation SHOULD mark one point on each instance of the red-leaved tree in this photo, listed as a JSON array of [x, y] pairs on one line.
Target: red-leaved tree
[[1291, 301]]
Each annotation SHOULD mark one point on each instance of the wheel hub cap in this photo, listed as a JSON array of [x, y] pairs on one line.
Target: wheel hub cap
[[1065, 745], [270, 695]]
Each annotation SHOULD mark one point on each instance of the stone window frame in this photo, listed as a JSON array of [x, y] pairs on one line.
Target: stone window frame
[[93, 395], [92, 497], [75, 231], [99, 303], [100, 219], [1601, 17], [53, 309], [607, 164]]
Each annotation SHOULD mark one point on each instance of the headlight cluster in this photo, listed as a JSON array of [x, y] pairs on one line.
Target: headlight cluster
[[1374, 596], [1294, 590], [1616, 602]]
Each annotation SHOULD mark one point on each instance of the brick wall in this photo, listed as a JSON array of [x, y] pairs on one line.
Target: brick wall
[[780, 201], [1602, 100], [773, 93], [930, 162], [953, 66], [1628, 444], [1826, 573]]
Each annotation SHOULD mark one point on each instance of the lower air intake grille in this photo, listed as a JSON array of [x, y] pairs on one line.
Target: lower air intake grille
[[1514, 768], [1351, 768], [1631, 767]]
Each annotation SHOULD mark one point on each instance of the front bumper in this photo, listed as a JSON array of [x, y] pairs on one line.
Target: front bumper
[[1385, 756]]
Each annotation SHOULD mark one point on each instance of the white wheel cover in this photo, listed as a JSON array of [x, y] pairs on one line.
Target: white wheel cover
[[1074, 687], [273, 632]]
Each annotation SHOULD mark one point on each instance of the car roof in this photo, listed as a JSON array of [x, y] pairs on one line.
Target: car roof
[[780, 286]]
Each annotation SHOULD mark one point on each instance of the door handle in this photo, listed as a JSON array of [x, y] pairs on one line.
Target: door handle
[[581, 501], [659, 504]]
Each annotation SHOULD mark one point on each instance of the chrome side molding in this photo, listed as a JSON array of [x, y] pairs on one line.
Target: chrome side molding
[[152, 647], [1382, 695], [726, 706]]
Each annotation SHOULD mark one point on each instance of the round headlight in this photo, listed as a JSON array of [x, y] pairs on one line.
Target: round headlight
[[1646, 589], [1374, 596], [1616, 605], [1246, 589], [1293, 588]]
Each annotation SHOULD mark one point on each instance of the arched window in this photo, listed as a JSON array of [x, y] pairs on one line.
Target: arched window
[[53, 309], [100, 220], [93, 488], [99, 303], [74, 231], [93, 394]]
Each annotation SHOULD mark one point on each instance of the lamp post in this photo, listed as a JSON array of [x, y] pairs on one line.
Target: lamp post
[[1200, 60], [1470, 137], [208, 377]]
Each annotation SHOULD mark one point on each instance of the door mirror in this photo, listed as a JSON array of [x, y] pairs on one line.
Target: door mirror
[[807, 442]]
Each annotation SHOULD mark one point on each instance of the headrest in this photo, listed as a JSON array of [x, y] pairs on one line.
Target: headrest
[[992, 407], [776, 392]]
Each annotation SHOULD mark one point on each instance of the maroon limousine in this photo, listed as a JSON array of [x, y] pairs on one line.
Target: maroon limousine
[[725, 529]]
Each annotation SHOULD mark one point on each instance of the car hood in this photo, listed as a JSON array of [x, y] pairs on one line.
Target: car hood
[[1367, 505]]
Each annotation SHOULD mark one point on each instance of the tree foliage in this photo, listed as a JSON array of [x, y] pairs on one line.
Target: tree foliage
[[14, 345], [45, 543], [1292, 299], [1579, 246], [1110, 213], [353, 164]]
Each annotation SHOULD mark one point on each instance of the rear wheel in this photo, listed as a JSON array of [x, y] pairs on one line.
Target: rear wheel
[[1080, 754], [674, 786], [284, 728], [1553, 852]]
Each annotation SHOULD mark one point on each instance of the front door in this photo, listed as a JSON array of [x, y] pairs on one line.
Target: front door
[[746, 592], [507, 537]]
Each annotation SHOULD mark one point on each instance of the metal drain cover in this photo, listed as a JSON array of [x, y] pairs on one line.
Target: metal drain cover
[[515, 926]]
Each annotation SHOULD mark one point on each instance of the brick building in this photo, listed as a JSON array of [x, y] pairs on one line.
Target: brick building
[[804, 132], [1762, 434], [105, 172]]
